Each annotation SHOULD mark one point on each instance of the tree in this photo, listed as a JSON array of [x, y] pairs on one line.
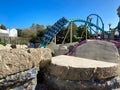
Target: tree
[[81, 32], [19, 32], [3, 27], [39, 27], [65, 34], [27, 33], [61, 35], [74, 28], [118, 11], [33, 26], [48, 26], [40, 30]]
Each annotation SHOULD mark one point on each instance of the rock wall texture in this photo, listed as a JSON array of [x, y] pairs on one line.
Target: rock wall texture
[[17, 60]]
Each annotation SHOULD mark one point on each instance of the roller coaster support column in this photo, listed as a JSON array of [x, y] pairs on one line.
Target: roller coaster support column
[[86, 31], [112, 34], [71, 32], [55, 39]]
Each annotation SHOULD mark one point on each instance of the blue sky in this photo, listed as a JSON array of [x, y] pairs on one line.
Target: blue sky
[[22, 13]]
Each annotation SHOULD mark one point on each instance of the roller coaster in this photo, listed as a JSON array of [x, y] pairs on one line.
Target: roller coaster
[[56, 28]]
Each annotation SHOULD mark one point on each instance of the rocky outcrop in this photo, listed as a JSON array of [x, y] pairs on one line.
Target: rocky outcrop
[[10, 46], [58, 84], [17, 60], [74, 68], [98, 50], [74, 73], [5, 47], [25, 80]]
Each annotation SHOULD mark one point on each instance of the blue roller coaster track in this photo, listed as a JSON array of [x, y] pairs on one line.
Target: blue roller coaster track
[[56, 28]]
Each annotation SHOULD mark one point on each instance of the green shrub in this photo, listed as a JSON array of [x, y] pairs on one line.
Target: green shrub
[[2, 43]]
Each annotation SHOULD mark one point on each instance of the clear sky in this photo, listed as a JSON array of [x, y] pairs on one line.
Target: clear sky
[[22, 13]]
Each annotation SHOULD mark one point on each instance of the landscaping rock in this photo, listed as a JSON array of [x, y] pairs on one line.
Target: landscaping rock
[[17, 60], [25, 80], [62, 50], [74, 68], [58, 84], [98, 50]]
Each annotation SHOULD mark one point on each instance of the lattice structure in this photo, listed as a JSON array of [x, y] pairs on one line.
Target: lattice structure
[[51, 33]]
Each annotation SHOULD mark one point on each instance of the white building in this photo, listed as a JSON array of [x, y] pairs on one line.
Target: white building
[[13, 33], [4, 35]]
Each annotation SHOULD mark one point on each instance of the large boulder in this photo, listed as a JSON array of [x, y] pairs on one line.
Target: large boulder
[[52, 46], [62, 50], [98, 50], [17, 60], [74, 73], [74, 68]]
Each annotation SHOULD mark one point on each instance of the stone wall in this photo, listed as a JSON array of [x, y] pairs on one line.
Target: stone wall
[[19, 67]]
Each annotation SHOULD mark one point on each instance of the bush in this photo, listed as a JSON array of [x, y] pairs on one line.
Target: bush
[[2, 43]]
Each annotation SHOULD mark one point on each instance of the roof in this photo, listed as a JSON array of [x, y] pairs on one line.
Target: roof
[[4, 31]]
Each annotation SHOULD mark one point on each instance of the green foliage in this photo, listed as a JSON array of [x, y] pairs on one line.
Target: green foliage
[[19, 32], [28, 33], [81, 32], [36, 31], [40, 33], [2, 27], [35, 40], [61, 35], [118, 11], [66, 30], [74, 28], [2, 43]]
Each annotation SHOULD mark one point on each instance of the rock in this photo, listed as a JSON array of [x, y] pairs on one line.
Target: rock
[[25, 80], [17, 60], [58, 84], [21, 46], [13, 46], [74, 68], [52, 46], [62, 50], [98, 50], [5, 47]]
